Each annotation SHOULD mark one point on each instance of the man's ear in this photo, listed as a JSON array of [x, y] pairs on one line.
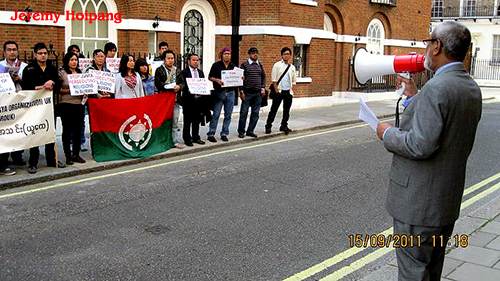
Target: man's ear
[[438, 47]]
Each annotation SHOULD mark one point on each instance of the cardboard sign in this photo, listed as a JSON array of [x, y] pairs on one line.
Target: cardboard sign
[[81, 84], [154, 65], [198, 86], [113, 64], [84, 63], [6, 84], [105, 80], [232, 78]]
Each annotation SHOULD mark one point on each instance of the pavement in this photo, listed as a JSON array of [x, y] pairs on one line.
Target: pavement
[[480, 260]]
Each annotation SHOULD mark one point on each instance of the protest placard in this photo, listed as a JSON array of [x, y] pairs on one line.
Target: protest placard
[[26, 120], [82, 84], [232, 78], [84, 63], [6, 84], [105, 80], [154, 65], [198, 86], [113, 65]]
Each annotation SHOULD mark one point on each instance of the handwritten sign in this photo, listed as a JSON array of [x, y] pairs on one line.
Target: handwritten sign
[[232, 78], [84, 63], [198, 86], [6, 84], [105, 80], [82, 84], [113, 64]]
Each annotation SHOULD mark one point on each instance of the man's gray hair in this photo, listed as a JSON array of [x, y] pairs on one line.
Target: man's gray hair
[[455, 39]]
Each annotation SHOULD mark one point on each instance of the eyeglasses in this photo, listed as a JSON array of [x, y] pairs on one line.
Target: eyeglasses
[[42, 53], [426, 41]]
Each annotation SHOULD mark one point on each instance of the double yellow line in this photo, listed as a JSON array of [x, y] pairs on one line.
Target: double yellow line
[[348, 269]]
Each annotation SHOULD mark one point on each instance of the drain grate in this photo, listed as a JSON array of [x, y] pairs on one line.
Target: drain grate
[[157, 229]]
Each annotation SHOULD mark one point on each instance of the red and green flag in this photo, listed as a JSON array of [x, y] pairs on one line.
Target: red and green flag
[[131, 128]]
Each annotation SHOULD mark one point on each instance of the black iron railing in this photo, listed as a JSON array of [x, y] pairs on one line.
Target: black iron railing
[[384, 2], [465, 12], [485, 69]]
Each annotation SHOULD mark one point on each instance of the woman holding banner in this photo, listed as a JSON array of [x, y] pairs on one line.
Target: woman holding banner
[[71, 110], [99, 63], [128, 83]]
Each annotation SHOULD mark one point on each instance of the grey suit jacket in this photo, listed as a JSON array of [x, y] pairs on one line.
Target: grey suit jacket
[[431, 147]]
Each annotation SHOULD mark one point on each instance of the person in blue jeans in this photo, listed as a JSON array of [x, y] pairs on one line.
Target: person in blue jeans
[[253, 89], [223, 96]]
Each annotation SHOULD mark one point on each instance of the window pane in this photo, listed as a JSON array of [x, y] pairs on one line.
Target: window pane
[[76, 25], [90, 27], [152, 42], [103, 25], [89, 46]]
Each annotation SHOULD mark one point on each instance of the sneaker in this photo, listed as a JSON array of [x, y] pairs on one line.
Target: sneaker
[[212, 139], [224, 138], [241, 136], [78, 159], [84, 147], [32, 169], [7, 172], [252, 135], [179, 146]]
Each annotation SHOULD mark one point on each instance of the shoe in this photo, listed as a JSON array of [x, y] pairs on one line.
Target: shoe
[[268, 129], [241, 136], [69, 161], [199, 142], [179, 146], [7, 172], [252, 135], [189, 143], [224, 138], [285, 129], [32, 169], [212, 139], [84, 147], [59, 164], [78, 159]]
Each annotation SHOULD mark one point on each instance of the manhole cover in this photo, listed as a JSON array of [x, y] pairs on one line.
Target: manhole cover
[[157, 229]]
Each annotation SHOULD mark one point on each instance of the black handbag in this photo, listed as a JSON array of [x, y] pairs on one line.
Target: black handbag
[[273, 93], [264, 101]]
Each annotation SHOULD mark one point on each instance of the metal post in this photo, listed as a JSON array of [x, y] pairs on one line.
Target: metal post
[[235, 35]]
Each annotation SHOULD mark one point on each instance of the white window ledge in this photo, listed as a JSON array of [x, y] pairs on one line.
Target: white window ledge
[[304, 80], [305, 2]]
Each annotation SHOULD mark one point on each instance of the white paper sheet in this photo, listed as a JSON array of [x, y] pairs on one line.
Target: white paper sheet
[[367, 115]]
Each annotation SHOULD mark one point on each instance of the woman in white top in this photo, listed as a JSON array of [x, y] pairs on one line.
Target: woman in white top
[[128, 83]]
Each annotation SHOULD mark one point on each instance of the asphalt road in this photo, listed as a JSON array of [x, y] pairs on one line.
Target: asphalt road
[[260, 211]]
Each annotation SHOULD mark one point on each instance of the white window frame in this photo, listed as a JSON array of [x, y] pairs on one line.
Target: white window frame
[[375, 45], [305, 2], [437, 8], [495, 52], [112, 26], [301, 69]]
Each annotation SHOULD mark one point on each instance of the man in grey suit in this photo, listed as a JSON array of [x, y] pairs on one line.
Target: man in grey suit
[[430, 148]]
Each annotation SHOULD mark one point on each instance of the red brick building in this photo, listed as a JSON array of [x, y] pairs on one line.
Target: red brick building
[[322, 33]]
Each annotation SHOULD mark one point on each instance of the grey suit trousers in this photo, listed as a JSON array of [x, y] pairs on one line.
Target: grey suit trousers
[[422, 262]]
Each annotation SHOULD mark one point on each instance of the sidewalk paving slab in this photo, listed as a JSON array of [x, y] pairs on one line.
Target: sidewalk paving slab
[[472, 272], [481, 239], [476, 255]]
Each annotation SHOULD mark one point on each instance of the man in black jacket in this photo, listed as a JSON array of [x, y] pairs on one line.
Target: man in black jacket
[[36, 76], [192, 105]]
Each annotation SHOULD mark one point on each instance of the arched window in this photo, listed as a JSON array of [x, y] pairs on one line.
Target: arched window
[[193, 34], [198, 31], [90, 36], [376, 36], [328, 24]]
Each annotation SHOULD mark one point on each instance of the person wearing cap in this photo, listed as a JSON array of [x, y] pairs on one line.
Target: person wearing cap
[[222, 96], [253, 90]]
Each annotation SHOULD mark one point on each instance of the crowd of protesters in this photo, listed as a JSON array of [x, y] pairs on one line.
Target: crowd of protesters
[[134, 80]]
